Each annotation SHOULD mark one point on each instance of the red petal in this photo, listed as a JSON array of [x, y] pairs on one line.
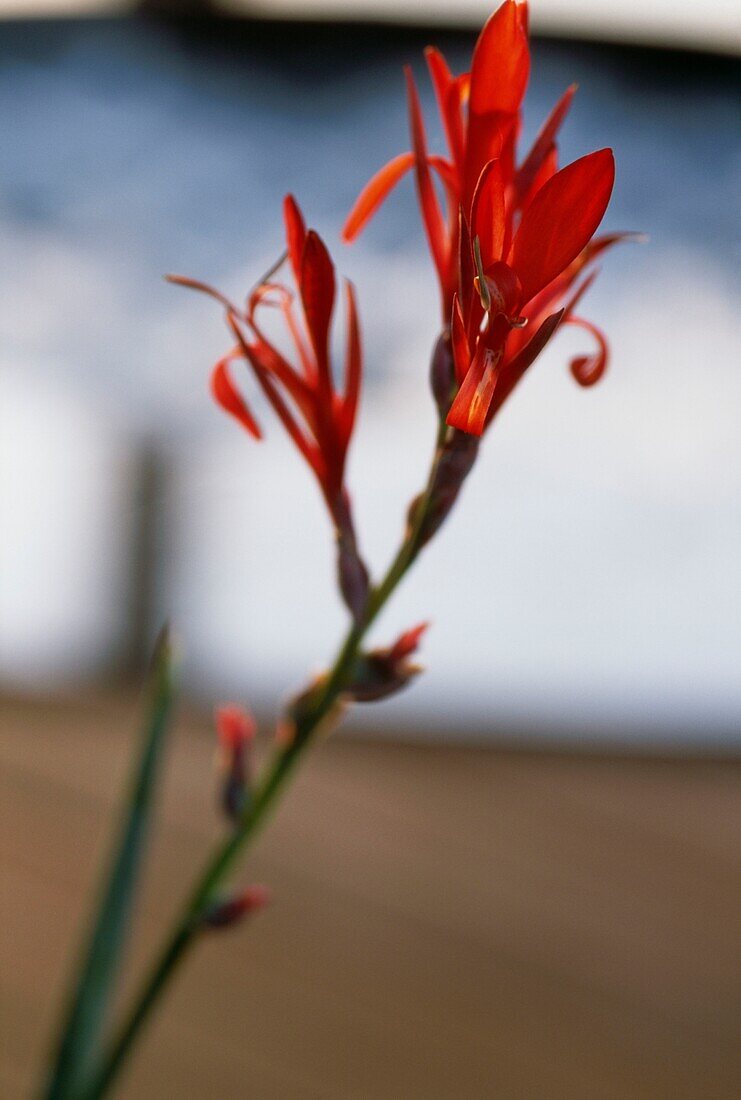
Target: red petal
[[607, 240], [488, 221], [407, 643], [374, 193], [513, 370], [547, 169], [295, 234], [561, 219], [273, 363], [226, 395], [431, 214], [466, 270], [499, 73], [203, 288], [317, 294], [588, 369], [579, 293], [353, 366], [504, 289], [307, 449], [543, 143], [501, 63], [471, 404], [459, 340], [448, 95]]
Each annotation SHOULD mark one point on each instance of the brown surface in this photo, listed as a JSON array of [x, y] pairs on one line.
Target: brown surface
[[446, 923]]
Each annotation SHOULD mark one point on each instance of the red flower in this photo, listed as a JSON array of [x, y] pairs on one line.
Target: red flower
[[318, 417], [515, 238]]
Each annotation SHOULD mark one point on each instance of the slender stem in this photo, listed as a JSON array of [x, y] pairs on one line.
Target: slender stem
[[277, 773]]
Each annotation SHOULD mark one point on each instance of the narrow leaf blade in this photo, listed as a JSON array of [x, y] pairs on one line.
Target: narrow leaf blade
[[94, 984]]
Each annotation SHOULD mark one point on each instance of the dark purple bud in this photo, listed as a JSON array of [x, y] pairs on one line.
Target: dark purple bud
[[455, 462], [382, 672], [442, 374], [352, 575]]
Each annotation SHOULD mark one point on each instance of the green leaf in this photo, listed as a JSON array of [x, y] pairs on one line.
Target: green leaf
[[95, 981]]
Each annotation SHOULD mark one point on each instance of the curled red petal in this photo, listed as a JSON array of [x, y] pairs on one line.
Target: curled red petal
[[543, 144], [561, 219], [374, 193], [431, 215], [588, 369], [295, 234], [226, 395], [202, 288]]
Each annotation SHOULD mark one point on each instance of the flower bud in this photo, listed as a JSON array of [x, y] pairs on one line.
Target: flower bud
[[382, 672], [455, 462], [228, 911], [236, 731], [442, 374], [352, 574]]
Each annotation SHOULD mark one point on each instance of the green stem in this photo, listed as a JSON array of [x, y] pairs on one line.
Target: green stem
[[275, 778]]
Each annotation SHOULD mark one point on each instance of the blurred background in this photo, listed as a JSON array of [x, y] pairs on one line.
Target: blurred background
[[566, 771]]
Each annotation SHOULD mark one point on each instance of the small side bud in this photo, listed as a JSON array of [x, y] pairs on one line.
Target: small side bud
[[455, 463], [382, 672], [229, 911], [352, 575], [236, 730]]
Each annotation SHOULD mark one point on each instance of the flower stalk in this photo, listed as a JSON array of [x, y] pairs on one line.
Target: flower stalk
[[317, 706], [513, 249]]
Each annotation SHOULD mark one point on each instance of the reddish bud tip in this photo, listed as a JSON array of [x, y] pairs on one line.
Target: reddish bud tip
[[407, 643], [234, 726], [223, 914]]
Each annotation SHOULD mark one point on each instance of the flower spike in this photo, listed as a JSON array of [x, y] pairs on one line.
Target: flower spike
[[317, 416], [522, 231]]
